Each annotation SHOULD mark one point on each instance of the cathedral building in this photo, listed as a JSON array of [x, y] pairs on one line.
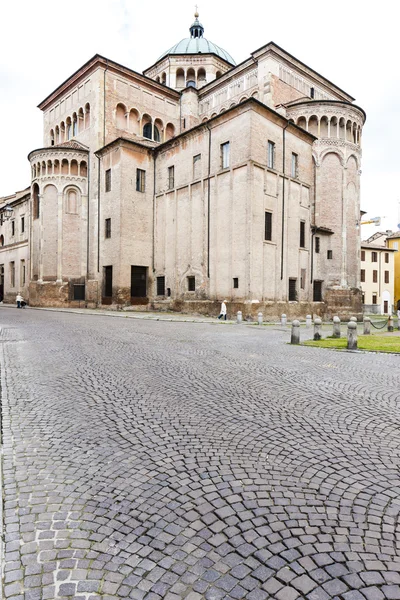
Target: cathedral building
[[197, 181]]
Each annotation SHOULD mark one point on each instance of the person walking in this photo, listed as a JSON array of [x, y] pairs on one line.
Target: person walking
[[222, 314], [19, 299]]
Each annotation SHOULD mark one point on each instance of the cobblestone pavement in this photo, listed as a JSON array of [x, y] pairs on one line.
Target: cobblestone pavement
[[152, 460]]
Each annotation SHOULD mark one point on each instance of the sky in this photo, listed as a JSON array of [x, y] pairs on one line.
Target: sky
[[353, 43]]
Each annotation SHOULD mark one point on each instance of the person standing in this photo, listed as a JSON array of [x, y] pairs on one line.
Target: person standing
[[222, 314], [19, 299]]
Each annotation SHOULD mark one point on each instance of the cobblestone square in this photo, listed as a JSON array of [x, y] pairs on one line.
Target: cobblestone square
[[148, 460]]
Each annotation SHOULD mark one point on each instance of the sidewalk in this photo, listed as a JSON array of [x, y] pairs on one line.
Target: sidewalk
[[129, 314]]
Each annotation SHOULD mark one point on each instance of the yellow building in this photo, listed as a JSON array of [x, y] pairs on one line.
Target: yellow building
[[393, 241]]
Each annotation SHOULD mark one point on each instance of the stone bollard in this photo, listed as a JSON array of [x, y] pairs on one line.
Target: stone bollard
[[367, 326], [317, 328], [260, 318], [308, 321], [283, 320], [295, 337], [351, 335], [239, 316], [390, 323], [336, 327], [354, 319]]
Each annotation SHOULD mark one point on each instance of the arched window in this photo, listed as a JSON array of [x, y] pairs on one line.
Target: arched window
[[62, 132], [81, 120], [164, 78], [333, 129], [324, 127], [51, 137], [57, 140], [147, 128], [1, 241], [191, 78], [56, 167], [169, 131], [74, 167], [36, 201], [71, 202], [87, 115], [83, 168], [74, 125], [43, 169], [158, 130], [49, 167], [64, 167], [158, 79], [342, 127], [134, 121], [69, 128], [201, 76], [313, 125], [121, 116], [218, 74], [180, 78], [147, 131]]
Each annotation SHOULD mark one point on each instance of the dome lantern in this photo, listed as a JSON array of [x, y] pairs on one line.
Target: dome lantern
[[196, 29]]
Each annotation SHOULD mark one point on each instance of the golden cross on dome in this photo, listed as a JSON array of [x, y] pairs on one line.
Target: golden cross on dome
[[196, 14]]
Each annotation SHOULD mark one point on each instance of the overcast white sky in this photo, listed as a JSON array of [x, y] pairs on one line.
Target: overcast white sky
[[353, 43]]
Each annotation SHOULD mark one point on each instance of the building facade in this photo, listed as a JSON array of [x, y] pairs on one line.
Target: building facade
[[393, 242], [14, 245], [197, 181], [377, 278]]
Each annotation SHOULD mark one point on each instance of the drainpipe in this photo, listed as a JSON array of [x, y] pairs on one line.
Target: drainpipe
[[208, 201], [283, 193], [88, 220], [312, 255], [98, 213], [154, 208]]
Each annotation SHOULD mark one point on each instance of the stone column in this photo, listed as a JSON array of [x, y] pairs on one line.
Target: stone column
[[367, 326], [317, 328], [295, 337], [352, 336], [336, 327], [239, 316]]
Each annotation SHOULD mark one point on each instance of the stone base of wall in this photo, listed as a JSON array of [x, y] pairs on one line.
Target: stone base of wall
[[49, 293], [343, 303], [337, 302]]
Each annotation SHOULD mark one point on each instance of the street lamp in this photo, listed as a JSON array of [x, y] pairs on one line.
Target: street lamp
[[5, 214]]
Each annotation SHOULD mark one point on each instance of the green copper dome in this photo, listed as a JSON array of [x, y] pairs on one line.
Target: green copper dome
[[197, 44]]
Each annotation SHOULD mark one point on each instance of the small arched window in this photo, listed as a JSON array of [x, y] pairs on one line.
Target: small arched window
[[87, 115], [51, 137], [71, 202], [74, 125], [69, 128], [81, 120], [147, 131], [36, 201], [1, 241]]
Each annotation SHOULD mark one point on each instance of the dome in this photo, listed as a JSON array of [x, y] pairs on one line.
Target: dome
[[197, 44]]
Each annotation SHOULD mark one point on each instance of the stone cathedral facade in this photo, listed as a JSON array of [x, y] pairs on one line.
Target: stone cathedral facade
[[197, 181]]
